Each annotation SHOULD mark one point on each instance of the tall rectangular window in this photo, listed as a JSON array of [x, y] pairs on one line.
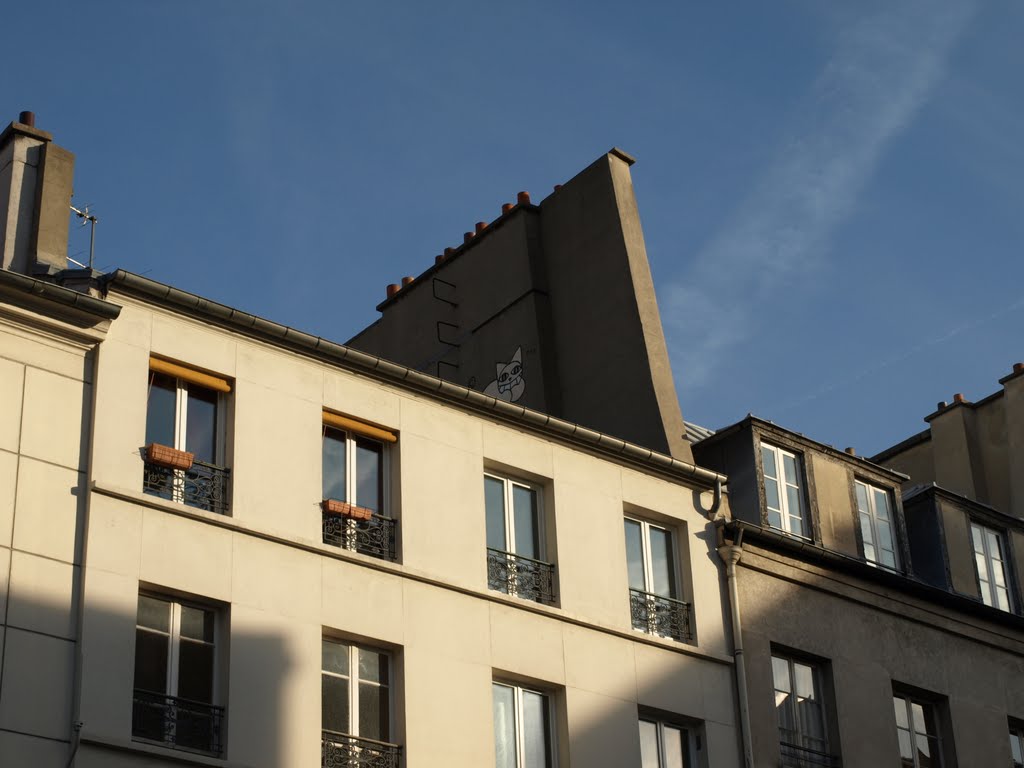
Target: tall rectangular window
[[783, 483], [654, 601], [1017, 744], [874, 507], [801, 714], [917, 729], [663, 745], [185, 454], [516, 552], [355, 486], [175, 653], [356, 705], [990, 565], [522, 728]]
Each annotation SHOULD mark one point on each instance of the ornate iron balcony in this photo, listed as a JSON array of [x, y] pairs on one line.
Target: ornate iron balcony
[[794, 756], [339, 750], [520, 576], [203, 486], [657, 615], [177, 723], [374, 537]]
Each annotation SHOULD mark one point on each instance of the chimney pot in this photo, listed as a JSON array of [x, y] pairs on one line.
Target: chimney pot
[[467, 236], [481, 226], [448, 252], [439, 258], [940, 405], [393, 289], [523, 198], [506, 208], [27, 118], [557, 187], [852, 451], [958, 397], [1018, 367], [406, 280]]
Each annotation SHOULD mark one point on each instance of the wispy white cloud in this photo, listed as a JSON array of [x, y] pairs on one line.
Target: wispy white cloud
[[883, 71]]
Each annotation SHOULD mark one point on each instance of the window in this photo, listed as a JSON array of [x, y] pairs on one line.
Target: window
[[355, 489], [1017, 745], [990, 564], [801, 715], [918, 732], [522, 728], [356, 706], [874, 507], [185, 436], [663, 745], [515, 540], [782, 490], [175, 654], [654, 603]]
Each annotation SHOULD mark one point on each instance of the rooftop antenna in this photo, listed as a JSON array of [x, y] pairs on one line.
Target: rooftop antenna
[[89, 218]]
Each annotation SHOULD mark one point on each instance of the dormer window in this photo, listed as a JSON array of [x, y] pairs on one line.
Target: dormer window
[[874, 508], [783, 484]]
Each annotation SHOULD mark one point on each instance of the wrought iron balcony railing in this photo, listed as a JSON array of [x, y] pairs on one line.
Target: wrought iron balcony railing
[[177, 723], [795, 756], [520, 576], [657, 615], [203, 486], [374, 537], [339, 750]]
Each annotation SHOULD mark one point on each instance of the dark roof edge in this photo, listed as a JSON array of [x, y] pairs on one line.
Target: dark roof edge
[[406, 377], [100, 309], [921, 437], [855, 566], [971, 505]]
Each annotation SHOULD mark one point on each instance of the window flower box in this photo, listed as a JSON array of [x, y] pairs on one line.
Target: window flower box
[[165, 456], [344, 509]]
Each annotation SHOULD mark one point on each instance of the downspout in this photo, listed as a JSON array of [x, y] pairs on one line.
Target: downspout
[[731, 554]]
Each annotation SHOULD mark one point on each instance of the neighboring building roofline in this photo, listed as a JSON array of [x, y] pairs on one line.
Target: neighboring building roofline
[[751, 419], [392, 373], [971, 505], [921, 437], [45, 289]]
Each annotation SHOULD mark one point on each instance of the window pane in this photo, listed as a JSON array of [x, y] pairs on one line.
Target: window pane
[[527, 526], [1016, 748], [919, 722], [862, 497], [906, 749], [494, 498], [768, 462], [373, 666], [201, 429], [780, 674], [369, 474], [674, 748], [151, 653], [504, 727], [976, 538], [804, 678], [774, 519], [881, 503], [925, 759], [195, 671], [789, 469], [155, 614], [795, 509], [334, 704], [536, 739], [160, 409], [373, 712], [334, 465], [771, 494], [662, 563], [634, 555], [334, 657], [196, 623], [648, 745]]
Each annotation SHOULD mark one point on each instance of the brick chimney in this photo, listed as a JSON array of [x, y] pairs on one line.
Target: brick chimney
[[35, 195]]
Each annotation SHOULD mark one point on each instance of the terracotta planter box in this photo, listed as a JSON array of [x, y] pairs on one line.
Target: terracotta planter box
[[165, 456], [344, 509]]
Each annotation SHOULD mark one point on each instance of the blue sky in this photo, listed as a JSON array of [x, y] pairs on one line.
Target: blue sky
[[831, 193]]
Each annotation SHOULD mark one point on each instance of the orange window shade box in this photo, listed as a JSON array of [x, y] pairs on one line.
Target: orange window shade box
[[165, 456], [192, 376], [344, 509], [349, 424]]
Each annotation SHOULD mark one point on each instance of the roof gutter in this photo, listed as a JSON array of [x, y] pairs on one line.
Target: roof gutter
[[393, 373], [44, 289]]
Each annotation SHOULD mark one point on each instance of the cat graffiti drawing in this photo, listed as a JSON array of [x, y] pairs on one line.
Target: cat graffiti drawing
[[508, 383]]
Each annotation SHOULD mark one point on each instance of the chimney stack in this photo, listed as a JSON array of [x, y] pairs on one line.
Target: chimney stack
[[35, 198]]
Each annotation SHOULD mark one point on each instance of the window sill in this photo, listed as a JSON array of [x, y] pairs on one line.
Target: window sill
[[164, 753]]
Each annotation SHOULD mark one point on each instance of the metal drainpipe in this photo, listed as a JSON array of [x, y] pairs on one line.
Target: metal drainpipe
[[731, 554]]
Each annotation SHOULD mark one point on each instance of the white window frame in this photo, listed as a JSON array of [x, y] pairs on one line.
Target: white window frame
[[174, 638], [688, 755], [351, 483], [510, 535], [780, 480], [645, 548], [936, 739], [354, 681], [987, 584], [872, 514], [181, 414], [818, 683], [517, 709]]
